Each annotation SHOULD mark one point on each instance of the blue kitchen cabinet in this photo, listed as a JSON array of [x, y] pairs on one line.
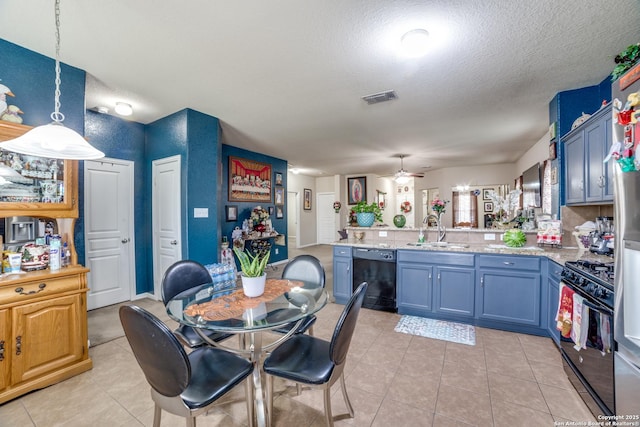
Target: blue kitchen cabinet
[[439, 283], [588, 179], [553, 293], [509, 291], [342, 282]]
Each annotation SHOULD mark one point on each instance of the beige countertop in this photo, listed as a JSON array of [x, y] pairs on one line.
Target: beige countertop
[[559, 255]]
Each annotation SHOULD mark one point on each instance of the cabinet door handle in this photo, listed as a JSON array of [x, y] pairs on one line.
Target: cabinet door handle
[[1, 350], [438, 277], [125, 240], [21, 291], [430, 276], [18, 345], [601, 181], [173, 242], [482, 282], [508, 263]]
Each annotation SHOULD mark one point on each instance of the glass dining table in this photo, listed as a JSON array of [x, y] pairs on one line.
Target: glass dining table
[[206, 307]]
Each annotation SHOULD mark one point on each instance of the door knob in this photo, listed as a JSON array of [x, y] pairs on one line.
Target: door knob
[[174, 242], [125, 240]]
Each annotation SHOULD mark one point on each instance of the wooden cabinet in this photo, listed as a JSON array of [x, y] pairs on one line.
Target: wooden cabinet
[[436, 282], [588, 180], [342, 283], [509, 289], [43, 329]]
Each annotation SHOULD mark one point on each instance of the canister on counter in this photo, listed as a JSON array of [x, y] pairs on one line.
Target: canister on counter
[[54, 252]]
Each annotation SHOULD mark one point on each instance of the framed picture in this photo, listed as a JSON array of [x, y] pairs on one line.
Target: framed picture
[[279, 212], [232, 213], [357, 188], [485, 193], [278, 178], [552, 151], [278, 195], [271, 210], [306, 204], [382, 202], [488, 206], [249, 181]]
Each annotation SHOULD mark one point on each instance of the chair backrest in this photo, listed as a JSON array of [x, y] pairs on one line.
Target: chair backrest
[[159, 353], [183, 275], [305, 267], [346, 324]]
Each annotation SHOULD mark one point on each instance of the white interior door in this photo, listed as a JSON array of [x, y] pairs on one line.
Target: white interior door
[[166, 217], [109, 231], [326, 218], [292, 218]]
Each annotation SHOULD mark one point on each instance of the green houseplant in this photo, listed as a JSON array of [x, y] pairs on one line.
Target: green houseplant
[[367, 214], [253, 275]]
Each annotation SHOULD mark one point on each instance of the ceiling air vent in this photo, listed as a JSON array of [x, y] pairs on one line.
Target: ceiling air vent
[[376, 98]]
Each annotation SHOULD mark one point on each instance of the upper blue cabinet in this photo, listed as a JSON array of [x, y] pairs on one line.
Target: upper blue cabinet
[[588, 180]]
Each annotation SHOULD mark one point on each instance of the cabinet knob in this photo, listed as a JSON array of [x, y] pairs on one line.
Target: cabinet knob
[[2, 350], [173, 242], [601, 181]]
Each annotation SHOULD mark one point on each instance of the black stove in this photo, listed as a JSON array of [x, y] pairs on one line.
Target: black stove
[[594, 278]]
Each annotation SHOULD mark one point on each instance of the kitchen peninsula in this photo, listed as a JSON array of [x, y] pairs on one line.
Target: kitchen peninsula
[[468, 278]]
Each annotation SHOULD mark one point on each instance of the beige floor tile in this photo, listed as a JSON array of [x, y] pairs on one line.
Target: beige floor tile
[[440, 420], [550, 374], [465, 376], [509, 415], [373, 378], [566, 404], [13, 413], [463, 405], [420, 391], [514, 366], [422, 364], [394, 413], [524, 393]]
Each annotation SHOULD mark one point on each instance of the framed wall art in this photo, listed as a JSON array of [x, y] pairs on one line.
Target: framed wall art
[[271, 210], [278, 178], [488, 206], [357, 189], [249, 181], [306, 204], [552, 151], [231, 213], [278, 195], [485, 193], [279, 212]]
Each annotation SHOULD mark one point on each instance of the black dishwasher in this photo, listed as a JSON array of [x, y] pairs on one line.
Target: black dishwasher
[[377, 267]]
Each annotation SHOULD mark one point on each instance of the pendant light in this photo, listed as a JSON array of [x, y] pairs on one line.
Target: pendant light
[[54, 140]]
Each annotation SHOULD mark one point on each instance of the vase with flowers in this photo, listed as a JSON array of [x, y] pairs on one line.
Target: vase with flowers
[[367, 214], [439, 207], [259, 217]]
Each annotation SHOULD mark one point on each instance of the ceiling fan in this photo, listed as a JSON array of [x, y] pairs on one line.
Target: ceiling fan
[[402, 176]]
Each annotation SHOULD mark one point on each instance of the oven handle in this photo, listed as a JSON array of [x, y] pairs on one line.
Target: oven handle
[[589, 300]]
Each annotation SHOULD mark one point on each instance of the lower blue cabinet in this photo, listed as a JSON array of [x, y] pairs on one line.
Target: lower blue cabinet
[[454, 291], [342, 286]]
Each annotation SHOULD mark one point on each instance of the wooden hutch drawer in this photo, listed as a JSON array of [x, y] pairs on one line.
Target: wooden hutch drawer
[[44, 287]]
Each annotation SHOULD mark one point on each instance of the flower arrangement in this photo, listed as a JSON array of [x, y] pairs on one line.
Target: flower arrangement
[[503, 207], [405, 206], [363, 207], [439, 206], [336, 206], [352, 217], [259, 215]]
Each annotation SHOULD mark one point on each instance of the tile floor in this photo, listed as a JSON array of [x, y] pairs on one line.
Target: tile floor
[[506, 379]]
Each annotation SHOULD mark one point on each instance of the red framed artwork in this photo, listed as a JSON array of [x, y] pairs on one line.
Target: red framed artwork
[[249, 181]]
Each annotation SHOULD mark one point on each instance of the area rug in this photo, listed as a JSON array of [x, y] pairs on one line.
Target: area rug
[[438, 329]]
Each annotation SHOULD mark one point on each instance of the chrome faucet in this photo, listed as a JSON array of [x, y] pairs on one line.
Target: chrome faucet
[[441, 231]]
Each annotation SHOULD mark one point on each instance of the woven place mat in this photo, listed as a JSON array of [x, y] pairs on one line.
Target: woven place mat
[[234, 304]]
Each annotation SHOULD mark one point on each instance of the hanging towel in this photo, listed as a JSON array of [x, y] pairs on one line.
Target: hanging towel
[[578, 329], [565, 311]]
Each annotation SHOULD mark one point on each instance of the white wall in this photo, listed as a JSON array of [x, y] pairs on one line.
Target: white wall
[[536, 154], [297, 183]]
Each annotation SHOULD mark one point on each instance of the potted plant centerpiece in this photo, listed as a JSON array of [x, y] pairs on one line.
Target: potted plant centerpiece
[[253, 275], [367, 214]]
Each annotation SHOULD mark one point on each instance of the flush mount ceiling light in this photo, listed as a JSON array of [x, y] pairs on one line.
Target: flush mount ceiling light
[[415, 43], [54, 140], [124, 109]]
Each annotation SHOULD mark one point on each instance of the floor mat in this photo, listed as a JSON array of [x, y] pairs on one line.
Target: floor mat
[[438, 329]]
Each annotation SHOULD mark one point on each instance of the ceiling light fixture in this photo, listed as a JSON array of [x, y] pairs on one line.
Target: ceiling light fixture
[[124, 109], [402, 179], [415, 43], [54, 140]]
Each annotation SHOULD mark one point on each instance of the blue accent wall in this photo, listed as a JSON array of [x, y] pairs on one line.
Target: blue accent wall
[[120, 139], [244, 208], [31, 78]]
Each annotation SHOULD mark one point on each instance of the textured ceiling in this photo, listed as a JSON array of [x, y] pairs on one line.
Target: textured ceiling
[[286, 77]]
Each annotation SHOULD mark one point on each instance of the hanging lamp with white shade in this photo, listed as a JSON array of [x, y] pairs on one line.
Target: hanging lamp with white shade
[[54, 140]]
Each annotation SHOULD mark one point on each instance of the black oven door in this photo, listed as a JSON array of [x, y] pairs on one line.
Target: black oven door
[[590, 369]]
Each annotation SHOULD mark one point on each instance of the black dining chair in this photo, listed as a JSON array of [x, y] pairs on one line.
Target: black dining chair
[[312, 361], [184, 385], [179, 277], [309, 269]]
